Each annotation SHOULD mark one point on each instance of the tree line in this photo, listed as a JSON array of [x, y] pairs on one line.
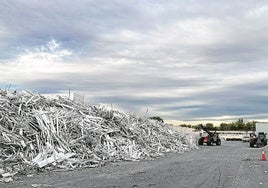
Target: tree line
[[239, 125]]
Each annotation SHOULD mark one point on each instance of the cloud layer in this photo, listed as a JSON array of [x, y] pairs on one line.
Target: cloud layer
[[177, 59]]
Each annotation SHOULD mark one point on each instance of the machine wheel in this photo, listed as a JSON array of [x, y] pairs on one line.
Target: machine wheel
[[218, 142], [251, 145], [201, 141]]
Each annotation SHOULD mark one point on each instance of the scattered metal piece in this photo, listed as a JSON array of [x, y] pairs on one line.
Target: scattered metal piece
[[39, 133]]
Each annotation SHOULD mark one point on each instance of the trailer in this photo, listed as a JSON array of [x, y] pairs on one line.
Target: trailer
[[261, 127]]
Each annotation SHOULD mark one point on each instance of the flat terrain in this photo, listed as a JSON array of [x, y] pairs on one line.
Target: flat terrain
[[234, 164]]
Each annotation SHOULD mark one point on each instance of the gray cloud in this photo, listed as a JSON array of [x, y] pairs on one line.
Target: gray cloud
[[178, 59]]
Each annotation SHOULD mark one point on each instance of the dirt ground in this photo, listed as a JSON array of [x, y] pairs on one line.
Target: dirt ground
[[234, 164]]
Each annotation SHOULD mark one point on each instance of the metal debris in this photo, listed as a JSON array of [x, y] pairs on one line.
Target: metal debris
[[40, 133]]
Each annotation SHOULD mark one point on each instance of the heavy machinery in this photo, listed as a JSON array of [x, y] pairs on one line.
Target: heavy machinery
[[259, 138], [258, 141], [212, 137]]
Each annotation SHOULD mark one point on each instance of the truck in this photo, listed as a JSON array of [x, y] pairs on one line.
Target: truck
[[259, 138], [212, 137]]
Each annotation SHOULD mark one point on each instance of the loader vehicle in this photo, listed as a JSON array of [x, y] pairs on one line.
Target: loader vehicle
[[210, 139], [258, 141]]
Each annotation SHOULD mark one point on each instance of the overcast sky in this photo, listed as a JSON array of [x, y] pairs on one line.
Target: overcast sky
[[177, 59]]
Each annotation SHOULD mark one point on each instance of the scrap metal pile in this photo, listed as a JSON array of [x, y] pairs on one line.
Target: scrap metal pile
[[37, 133]]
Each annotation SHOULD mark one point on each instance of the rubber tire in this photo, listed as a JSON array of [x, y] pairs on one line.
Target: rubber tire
[[200, 141], [218, 142], [251, 145]]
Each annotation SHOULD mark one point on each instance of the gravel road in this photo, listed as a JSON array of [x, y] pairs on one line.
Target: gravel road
[[234, 164]]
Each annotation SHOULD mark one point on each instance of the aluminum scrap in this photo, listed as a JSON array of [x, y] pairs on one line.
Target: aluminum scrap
[[38, 132]]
